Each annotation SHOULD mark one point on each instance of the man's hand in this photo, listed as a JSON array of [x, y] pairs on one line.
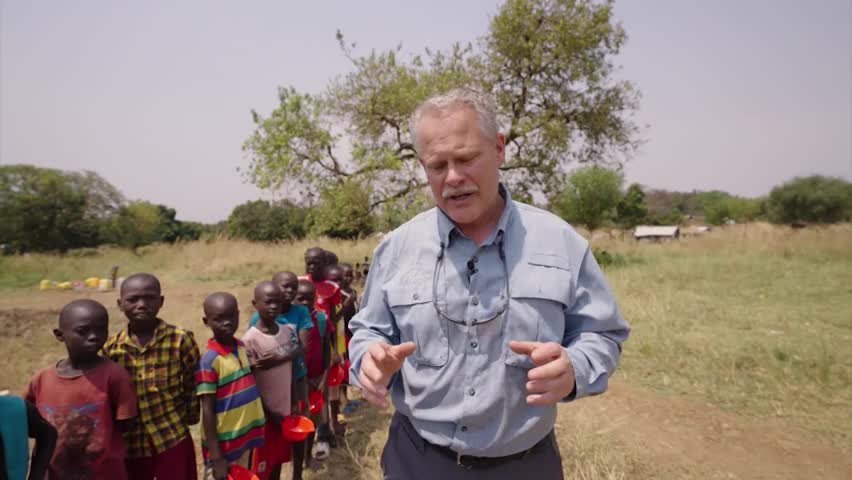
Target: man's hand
[[553, 377], [380, 361]]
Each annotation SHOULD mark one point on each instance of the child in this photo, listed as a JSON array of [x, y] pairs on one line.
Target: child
[[298, 317], [161, 360], [317, 357], [86, 397], [19, 421], [278, 344], [327, 292], [334, 273], [232, 419], [349, 309]]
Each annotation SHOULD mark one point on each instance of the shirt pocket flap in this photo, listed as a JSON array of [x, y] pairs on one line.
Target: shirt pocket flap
[[546, 277], [550, 260], [405, 296]]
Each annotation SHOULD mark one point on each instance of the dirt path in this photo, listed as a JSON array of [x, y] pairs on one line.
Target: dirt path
[[676, 431]]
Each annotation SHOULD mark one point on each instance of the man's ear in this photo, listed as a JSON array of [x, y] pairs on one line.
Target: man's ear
[[58, 334], [254, 303], [204, 319]]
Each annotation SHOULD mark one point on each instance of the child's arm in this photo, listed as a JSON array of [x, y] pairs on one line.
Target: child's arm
[[123, 400], [274, 359], [208, 423], [189, 361], [45, 441]]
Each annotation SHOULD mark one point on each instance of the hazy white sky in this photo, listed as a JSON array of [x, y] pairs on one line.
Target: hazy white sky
[[156, 96]]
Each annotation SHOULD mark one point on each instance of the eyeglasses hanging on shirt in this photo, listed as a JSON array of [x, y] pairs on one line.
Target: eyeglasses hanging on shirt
[[471, 271]]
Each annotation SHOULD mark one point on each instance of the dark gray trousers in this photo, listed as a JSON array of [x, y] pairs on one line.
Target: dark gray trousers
[[408, 457]]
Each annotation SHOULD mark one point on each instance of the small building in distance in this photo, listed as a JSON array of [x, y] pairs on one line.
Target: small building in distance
[[656, 233]]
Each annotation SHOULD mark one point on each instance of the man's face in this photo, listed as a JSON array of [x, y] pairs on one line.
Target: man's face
[[461, 164]]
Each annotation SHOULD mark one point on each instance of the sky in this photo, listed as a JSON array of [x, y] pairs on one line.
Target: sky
[[156, 96]]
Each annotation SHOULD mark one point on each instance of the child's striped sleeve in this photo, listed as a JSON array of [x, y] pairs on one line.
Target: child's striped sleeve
[[206, 376]]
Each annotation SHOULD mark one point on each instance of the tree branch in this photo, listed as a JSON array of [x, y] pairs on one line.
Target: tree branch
[[412, 185]]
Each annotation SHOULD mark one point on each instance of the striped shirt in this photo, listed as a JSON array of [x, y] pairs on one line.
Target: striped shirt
[[225, 372], [163, 372]]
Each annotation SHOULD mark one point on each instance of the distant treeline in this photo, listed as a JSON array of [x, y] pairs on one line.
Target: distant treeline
[[45, 209]]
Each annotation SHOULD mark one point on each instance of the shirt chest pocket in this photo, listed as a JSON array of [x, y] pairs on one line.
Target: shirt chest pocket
[[418, 322], [541, 289]]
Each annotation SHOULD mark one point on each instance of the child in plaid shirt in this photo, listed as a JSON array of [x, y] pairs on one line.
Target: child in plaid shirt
[[161, 360]]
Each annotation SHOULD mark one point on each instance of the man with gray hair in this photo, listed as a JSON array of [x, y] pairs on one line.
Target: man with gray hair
[[480, 315]]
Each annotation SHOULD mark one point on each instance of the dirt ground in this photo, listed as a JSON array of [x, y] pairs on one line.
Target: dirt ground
[[662, 436]]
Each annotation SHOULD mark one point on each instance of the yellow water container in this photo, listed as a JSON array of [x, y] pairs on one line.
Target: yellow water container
[[104, 284], [45, 285], [64, 285], [92, 282]]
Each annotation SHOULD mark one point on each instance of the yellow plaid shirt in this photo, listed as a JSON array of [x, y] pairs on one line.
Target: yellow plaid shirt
[[164, 374]]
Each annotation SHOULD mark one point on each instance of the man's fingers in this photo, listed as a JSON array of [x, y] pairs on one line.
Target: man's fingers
[[371, 377], [377, 400], [545, 353], [542, 399], [555, 368], [523, 348], [378, 350], [399, 352], [544, 386]]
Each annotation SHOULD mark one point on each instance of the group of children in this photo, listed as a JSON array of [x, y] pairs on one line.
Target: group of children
[[122, 406]]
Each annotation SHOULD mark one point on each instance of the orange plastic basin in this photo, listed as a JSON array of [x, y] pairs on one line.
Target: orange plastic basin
[[296, 428]]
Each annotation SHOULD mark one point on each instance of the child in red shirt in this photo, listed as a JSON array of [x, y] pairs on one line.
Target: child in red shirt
[[88, 398]]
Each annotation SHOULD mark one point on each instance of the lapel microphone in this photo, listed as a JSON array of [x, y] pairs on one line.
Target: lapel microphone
[[471, 268]]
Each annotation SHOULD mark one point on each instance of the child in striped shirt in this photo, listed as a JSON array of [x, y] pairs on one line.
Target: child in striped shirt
[[232, 418]]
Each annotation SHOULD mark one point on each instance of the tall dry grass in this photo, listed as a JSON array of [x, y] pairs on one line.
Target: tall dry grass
[[754, 318]]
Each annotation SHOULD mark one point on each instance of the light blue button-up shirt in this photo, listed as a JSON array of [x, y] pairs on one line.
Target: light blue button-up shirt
[[463, 387]]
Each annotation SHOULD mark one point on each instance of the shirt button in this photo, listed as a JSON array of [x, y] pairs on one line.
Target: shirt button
[[474, 344], [464, 429], [415, 296], [475, 300], [471, 392]]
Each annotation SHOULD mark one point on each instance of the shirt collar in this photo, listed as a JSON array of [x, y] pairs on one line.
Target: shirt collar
[[446, 226], [217, 347], [159, 332]]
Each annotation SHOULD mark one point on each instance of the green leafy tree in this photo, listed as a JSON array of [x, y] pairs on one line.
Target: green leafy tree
[[632, 209], [401, 210], [343, 212], [43, 209], [134, 225], [814, 199], [590, 196], [263, 221], [173, 230], [547, 62]]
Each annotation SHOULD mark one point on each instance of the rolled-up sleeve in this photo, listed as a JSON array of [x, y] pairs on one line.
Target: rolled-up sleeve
[[594, 330], [374, 321]]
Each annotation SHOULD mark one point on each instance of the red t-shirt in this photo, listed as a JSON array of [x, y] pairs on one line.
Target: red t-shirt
[[84, 410]]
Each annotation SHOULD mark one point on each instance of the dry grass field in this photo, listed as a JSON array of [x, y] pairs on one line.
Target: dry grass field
[[739, 365]]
